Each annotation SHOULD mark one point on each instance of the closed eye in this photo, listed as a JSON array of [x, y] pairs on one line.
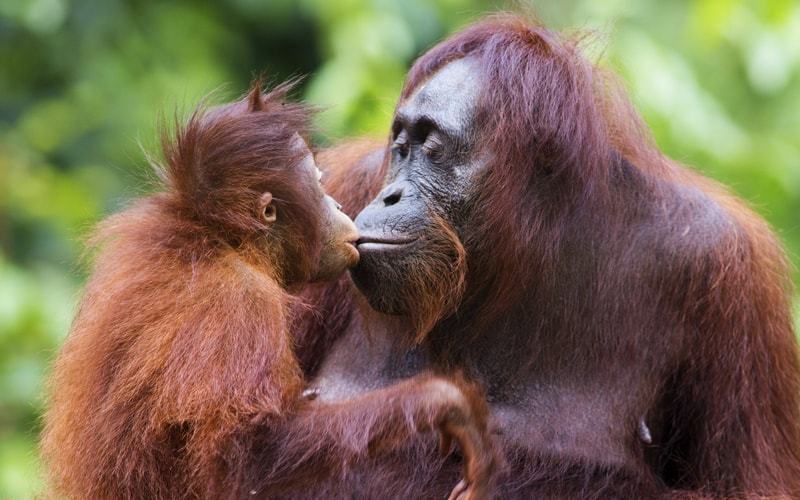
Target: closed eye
[[432, 144], [419, 131], [400, 143]]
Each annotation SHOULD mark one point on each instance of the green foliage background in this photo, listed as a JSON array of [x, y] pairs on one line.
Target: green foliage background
[[82, 83]]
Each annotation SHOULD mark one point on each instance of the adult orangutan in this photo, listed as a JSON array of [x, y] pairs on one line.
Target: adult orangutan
[[179, 380], [628, 318]]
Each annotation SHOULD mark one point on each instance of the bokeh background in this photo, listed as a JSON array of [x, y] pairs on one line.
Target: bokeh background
[[83, 83]]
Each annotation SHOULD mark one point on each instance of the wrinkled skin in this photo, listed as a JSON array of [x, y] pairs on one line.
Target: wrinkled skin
[[431, 165]]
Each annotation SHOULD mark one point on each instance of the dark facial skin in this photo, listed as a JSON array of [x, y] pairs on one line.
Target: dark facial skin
[[430, 168]]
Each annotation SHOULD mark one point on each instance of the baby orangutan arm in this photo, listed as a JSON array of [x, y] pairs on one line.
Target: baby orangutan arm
[[323, 437]]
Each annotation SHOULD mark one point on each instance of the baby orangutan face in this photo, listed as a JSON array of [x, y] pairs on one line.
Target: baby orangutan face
[[339, 248], [278, 209]]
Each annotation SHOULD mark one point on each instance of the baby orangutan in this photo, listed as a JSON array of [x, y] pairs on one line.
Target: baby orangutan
[[178, 378]]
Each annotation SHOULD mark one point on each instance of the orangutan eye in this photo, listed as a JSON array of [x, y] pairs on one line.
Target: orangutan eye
[[432, 144], [401, 144]]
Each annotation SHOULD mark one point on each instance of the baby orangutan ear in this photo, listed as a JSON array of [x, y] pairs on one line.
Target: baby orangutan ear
[[267, 209]]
